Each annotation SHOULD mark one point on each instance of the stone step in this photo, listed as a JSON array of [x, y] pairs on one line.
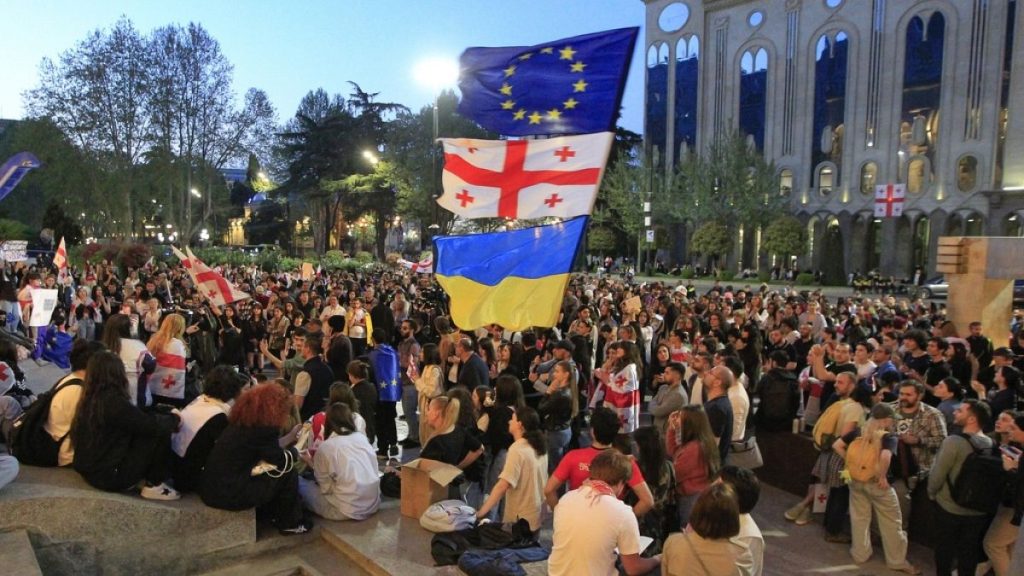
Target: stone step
[[76, 529], [17, 556]]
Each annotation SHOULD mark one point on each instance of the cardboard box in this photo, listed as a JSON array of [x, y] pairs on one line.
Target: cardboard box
[[424, 482]]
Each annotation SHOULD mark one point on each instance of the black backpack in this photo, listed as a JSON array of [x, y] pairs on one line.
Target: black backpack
[[30, 443], [776, 410], [980, 484]]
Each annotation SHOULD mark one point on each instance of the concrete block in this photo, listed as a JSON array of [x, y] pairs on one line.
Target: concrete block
[[17, 556]]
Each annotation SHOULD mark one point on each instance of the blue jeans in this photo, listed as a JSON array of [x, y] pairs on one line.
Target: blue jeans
[[558, 443], [494, 468], [8, 469], [409, 400]]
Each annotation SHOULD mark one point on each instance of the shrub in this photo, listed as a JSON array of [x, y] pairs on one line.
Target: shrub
[[725, 276], [764, 276], [805, 279], [364, 257], [687, 273]]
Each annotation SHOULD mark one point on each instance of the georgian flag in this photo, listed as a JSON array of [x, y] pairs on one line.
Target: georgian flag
[[425, 266], [554, 177], [889, 200], [212, 285], [60, 260], [186, 262]]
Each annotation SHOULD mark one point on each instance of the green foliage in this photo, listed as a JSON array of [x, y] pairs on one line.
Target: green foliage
[[13, 230], [785, 237], [364, 257], [804, 279], [600, 240], [764, 276], [55, 219], [122, 254], [725, 276], [712, 239], [687, 273], [291, 264]]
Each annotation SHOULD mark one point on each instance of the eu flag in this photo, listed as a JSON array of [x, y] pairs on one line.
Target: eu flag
[[569, 86], [516, 279]]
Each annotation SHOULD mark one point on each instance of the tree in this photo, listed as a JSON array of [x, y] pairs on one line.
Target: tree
[[55, 219], [712, 239], [374, 193], [68, 176], [97, 93], [416, 161], [784, 237], [600, 240], [13, 230]]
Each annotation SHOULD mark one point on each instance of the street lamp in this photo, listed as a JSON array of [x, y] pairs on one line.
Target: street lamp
[[371, 157], [436, 73], [196, 193]]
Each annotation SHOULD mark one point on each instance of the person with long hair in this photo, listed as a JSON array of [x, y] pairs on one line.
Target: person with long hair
[[253, 466], [429, 383], [232, 342], [621, 382], [522, 479], [167, 382], [117, 445], [202, 422], [451, 443], [871, 492], [347, 485], [136, 358], [706, 546], [508, 396], [660, 475], [341, 392], [558, 407], [277, 331], [691, 445]]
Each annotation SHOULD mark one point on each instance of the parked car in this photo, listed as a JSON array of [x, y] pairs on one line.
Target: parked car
[[938, 288]]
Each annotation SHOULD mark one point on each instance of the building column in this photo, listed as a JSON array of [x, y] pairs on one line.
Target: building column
[[889, 259]]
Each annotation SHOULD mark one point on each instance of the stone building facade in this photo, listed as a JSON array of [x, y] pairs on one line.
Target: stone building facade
[[845, 95]]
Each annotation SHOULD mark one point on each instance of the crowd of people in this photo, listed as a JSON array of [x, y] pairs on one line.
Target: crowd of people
[[288, 403]]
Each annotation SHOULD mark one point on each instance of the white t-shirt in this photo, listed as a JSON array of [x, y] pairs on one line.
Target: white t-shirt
[[527, 474], [751, 537], [586, 534], [740, 401], [62, 413], [346, 470], [132, 353]]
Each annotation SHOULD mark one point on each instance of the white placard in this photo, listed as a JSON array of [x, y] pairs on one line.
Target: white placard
[[650, 236], [43, 303], [14, 250]]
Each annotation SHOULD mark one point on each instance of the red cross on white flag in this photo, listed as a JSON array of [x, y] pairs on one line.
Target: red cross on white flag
[[889, 200], [211, 284], [425, 266], [523, 178]]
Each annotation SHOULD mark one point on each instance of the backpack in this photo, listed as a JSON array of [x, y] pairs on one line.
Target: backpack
[[448, 516], [777, 408], [862, 457], [30, 443], [979, 486], [826, 427]]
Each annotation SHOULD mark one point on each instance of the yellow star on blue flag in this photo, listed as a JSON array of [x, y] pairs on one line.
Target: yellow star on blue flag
[[587, 72]]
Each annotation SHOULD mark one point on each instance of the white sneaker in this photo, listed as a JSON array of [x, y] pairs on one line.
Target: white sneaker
[[160, 492]]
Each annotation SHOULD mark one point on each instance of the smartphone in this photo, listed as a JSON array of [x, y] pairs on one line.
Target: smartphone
[[1011, 452]]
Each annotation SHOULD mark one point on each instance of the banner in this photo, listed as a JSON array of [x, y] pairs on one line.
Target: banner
[[43, 303], [14, 250]]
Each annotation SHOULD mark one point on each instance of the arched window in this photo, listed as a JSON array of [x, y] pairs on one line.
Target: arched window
[[657, 96], [922, 91], [754, 94], [830, 71], [967, 173], [785, 182], [1013, 226], [687, 77], [868, 178], [826, 179]]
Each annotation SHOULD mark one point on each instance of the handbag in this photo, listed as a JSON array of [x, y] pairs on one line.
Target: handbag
[[745, 454]]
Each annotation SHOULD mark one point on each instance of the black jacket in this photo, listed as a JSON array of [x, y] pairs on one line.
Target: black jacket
[[366, 393], [321, 377], [101, 454], [227, 481], [188, 471]]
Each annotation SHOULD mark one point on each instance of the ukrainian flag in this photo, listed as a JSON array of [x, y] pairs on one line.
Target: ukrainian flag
[[516, 279]]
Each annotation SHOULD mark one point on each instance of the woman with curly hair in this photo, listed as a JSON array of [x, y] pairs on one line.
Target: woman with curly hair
[[252, 467]]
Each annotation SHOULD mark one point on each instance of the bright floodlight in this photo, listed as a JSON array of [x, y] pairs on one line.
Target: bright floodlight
[[437, 73], [196, 193]]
